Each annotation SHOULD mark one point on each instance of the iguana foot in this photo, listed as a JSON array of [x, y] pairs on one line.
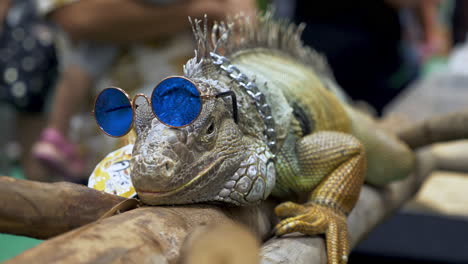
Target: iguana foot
[[314, 219]]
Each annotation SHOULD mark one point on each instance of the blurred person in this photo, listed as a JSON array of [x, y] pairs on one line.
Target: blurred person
[[363, 42], [136, 42], [83, 64], [434, 39], [28, 69]]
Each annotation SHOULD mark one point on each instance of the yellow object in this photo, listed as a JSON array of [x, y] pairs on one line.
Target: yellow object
[[112, 174]]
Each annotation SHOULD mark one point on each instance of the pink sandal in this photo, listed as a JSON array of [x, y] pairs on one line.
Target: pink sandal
[[55, 152]]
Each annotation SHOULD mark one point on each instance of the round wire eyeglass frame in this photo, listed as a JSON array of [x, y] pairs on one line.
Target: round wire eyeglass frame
[[133, 105]]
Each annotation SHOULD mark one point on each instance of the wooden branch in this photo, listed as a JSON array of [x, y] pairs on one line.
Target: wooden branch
[[47, 209], [451, 156], [157, 234], [438, 129], [221, 243], [143, 235], [43, 210]]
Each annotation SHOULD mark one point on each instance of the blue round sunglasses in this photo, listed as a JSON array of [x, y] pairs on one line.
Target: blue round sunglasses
[[176, 102]]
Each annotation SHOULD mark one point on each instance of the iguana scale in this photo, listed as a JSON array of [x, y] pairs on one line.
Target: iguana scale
[[324, 148]]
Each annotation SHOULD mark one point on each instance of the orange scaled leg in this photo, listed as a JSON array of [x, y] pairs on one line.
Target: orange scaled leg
[[340, 160]]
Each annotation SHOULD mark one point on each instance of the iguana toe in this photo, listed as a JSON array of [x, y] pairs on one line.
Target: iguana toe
[[314, 219]]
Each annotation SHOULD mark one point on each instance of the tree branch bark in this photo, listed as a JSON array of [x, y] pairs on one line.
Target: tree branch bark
[[157, 234], [143, 235], [43, 210]]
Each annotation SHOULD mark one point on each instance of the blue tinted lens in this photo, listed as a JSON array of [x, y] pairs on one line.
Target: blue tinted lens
[[113, 111], [176, 101]]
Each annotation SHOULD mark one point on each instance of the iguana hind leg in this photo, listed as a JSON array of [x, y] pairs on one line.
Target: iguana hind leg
[[340, 160]]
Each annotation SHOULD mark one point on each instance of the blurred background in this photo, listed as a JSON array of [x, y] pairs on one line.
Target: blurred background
[[408, 57]]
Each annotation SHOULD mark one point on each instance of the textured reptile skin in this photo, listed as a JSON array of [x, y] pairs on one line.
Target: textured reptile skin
[[339, 160]]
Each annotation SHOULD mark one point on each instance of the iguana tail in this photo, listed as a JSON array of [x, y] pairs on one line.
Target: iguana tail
[[438, 129]]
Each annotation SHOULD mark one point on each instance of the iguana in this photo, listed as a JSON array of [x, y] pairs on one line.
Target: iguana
[[296, 137]]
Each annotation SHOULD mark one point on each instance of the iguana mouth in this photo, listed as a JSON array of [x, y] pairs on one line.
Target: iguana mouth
[[184, 186]]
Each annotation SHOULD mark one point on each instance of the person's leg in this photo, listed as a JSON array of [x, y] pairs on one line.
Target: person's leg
[[27, 127], [54, 149], [70, 94], [84, 63]]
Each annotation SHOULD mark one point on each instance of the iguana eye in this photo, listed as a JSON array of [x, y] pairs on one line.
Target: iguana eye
[[211, 128]]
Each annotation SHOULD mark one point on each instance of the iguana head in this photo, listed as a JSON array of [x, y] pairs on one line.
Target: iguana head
[[208, 160]]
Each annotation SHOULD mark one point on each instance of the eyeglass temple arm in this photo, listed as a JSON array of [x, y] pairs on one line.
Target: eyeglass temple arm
[[234, 102]]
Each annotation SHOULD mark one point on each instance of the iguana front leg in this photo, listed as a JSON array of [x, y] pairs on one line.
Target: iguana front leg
[[339, 159]]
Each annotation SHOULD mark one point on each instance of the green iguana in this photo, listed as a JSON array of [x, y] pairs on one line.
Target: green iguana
[[296, 138]]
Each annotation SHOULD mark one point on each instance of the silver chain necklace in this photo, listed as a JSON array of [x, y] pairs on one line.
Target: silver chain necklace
[[252, 90]]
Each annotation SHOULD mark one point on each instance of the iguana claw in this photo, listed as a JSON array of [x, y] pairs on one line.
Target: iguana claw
[[314, 219]]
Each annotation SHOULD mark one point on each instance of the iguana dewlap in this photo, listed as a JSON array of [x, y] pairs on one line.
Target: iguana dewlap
[[324, 148]]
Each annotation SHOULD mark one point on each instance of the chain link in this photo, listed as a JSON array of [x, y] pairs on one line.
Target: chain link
[[252, 90]]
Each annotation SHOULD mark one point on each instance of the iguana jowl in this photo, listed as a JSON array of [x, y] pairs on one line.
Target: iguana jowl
[[324, 148]]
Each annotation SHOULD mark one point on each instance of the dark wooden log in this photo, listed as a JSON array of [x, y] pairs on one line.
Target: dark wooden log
[[43, 210]]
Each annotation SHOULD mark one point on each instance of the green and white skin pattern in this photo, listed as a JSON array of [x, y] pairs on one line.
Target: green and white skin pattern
[[325, 148]]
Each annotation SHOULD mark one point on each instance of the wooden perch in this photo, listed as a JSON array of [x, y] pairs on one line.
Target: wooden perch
[[451, 156], [438, 129], [221, 243], [43, 210], [143, 235], [157, 234]]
